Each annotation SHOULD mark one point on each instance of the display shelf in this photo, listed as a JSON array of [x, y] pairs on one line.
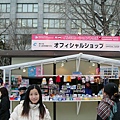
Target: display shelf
[[14, 90], [69, 93], [78, 103]]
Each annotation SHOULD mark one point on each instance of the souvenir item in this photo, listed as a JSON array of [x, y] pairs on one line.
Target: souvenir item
[[44, 81], [50, 81]]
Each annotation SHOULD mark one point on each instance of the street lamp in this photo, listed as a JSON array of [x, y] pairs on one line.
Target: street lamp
[[46, 31], [79, 31], [113, 33]]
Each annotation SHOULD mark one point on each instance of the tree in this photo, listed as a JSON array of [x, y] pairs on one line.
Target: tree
[[4, 25], [101, 17], [19, 38]]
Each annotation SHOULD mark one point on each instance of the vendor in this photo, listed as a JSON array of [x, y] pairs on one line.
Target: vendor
[[88, 89]]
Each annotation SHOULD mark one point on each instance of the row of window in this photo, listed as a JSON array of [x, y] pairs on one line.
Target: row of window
[[27, 7], [4, 23], [54, 7], [48, 7], [32, 23], [33, 8], [54, 23], [5, 8], [48, 23], [105, 70], [20, 7]]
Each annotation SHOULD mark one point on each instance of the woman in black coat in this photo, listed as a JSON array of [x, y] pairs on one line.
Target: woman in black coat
[[4, 104]]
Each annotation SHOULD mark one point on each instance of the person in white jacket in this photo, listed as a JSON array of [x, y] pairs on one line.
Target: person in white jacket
[[31, 108]]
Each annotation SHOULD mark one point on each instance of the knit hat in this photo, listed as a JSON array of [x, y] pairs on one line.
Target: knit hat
[[22, 88], [111, 88]]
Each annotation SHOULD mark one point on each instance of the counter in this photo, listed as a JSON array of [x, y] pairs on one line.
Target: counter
[[69, 109]]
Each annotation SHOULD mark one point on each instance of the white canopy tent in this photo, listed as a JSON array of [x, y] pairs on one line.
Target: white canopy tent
[[77, 57]]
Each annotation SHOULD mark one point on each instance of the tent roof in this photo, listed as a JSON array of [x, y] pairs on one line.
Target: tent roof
[[81, 56]]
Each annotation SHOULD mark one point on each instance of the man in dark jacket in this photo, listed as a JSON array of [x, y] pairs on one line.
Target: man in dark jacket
[[22, 91]]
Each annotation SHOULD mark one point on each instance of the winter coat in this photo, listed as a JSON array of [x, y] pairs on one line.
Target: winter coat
[[33, 113], [117, 115], [22, 96], [4, 108]]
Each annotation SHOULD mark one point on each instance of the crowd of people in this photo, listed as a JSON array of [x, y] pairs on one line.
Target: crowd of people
[[31, 106]]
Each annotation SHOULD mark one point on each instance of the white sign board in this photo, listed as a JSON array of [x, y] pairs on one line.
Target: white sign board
[[75, 42]]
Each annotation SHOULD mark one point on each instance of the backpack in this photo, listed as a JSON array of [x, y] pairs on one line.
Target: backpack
[[116, 115]]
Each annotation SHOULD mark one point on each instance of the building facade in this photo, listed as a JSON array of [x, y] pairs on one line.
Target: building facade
[[46, 16], [39, 16]]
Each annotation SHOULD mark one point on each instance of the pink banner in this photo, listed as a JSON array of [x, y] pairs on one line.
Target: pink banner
[[74, 37], [39, 71]]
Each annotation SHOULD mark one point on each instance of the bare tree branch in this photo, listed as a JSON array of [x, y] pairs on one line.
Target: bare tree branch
[[96, 14], [20, 38]]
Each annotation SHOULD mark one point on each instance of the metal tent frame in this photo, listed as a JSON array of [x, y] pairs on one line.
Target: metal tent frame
[[77, 57]]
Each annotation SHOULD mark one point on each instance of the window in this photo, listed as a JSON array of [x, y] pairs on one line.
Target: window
[[54, 7], [54, 23], [31, 23], [76, 24], [4, 7], [27, 7], [106, 70], [4, 23]]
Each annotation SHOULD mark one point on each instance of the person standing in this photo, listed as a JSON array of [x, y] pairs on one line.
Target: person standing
[[109, 107], [22, 91], [1, 82], [4, 104], [32, 107]]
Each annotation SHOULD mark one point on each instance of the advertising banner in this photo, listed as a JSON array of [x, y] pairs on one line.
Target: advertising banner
[[75, 42], [32, 71]]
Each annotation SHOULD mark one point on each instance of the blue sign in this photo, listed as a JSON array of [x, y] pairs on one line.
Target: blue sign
[[32, 71]]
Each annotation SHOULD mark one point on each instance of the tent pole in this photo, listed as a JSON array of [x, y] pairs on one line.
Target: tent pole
[[41, 69], [112, 69], [4, 75], [98, 66], [78, 64], [54, 103]]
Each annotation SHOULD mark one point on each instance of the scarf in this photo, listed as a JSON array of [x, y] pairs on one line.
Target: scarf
[[104, 109], [31, 112]]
